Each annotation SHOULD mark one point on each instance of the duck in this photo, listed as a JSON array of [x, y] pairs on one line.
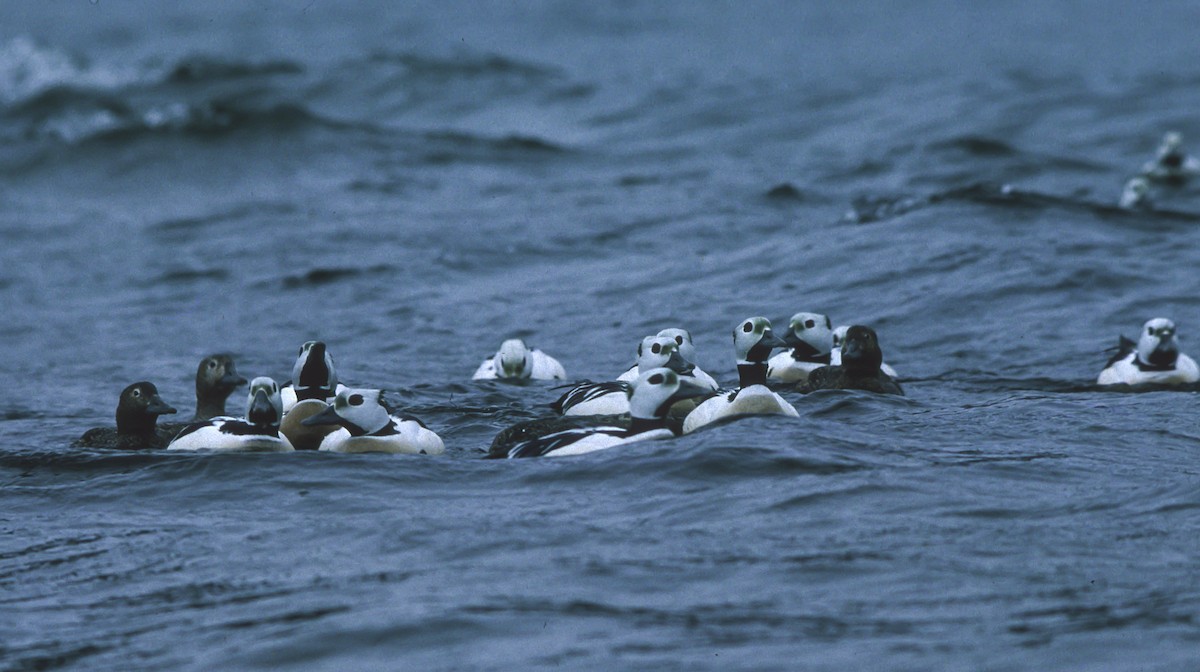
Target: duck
[[366, 426], [612, 398], [860, 369], [1136, 194], [138, 409], [314, 383], [835, 355], [687, 350], [650, 398], [516, 361], [753, 341], [257, 432], [216, 379], [810, 336], [1153, 359], [1172, 163]]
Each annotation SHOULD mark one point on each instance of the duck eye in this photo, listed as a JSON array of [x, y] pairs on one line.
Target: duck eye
[[355, 400], [212, 364], [137, 392], [656, 379], [656, 348], [747, 327], [1150, 330], [300, 351], [809, 324], [679, 340]]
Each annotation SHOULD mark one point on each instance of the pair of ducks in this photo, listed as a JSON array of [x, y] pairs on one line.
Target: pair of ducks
[[1171, 165], [667, 384], [313, 412]]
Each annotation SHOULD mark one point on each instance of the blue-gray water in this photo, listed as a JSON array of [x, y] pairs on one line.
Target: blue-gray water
[[414, 182]]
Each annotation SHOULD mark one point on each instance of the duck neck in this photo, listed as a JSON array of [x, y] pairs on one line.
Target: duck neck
[[751, 373], [639, 425], [210, 405]]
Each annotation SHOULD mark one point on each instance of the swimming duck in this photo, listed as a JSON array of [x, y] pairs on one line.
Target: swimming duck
[[258, 432], [810, 336], [1172, 163], [1153, 359], [216, 379], [612, 398], [367, 427], [753, 341], [651, 396], [835, 355], [861, 367], [314, 383], [138, 409], [687, 350], [515, 361], [1136, 194]]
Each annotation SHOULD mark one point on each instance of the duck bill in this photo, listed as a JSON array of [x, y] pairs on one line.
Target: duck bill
[[325, 417], [791, 340], [680, 365], [231, 380], [689, 390], [261, 411], [770, 340], [159, 407]]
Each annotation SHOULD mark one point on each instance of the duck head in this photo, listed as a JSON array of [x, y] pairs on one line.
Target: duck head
[[360, 411], [139, 407], [753, 341], [809, 335], [860, 350], [313, 375], [683, 341], [216, 379], [656, 390], [264, 405], [1157, 346], [662, 351], [512, 360]]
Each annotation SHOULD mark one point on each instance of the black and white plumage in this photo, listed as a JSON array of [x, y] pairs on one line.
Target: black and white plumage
[[753, 341], [612, 398], [366, 426], [517, 361], [687, 350], [138, 409], [257, 432], [860, 368], [1153, 359], [314, 384], [651, 397], [810, 337]]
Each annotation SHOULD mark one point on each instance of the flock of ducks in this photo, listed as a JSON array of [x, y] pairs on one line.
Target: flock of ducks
[[661, 396], [664, 394]]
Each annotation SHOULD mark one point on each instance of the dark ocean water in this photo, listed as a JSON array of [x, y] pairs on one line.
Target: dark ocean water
[[415, 182]]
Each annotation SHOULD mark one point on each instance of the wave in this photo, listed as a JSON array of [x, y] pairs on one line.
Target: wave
[[872, 209]]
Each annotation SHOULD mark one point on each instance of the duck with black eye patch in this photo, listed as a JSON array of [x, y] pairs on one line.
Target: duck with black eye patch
[[687, 350], [363, 425], [314, 384], [753, 341], [1154, 359], [860, 368], [810, 337], [650, 398], [257, 432], [138, 409]]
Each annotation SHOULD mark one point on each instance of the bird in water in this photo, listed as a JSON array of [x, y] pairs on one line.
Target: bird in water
[[1152, 359], [138, 409], [257, 432], [860, 368]]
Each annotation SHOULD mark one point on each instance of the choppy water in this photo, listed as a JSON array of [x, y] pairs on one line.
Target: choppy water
[[414, 183]]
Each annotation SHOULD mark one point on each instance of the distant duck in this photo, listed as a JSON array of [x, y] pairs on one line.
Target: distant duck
[[1136, 194], [753, 341], [216, 379], [861, 367], [651, 397], [1172, 163], [810, 336], [515, 361], [1153, 359], [314, 382], [368, 427], [612, 398], [835, 355], [687, 350], [257, 432], [138, 409]]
